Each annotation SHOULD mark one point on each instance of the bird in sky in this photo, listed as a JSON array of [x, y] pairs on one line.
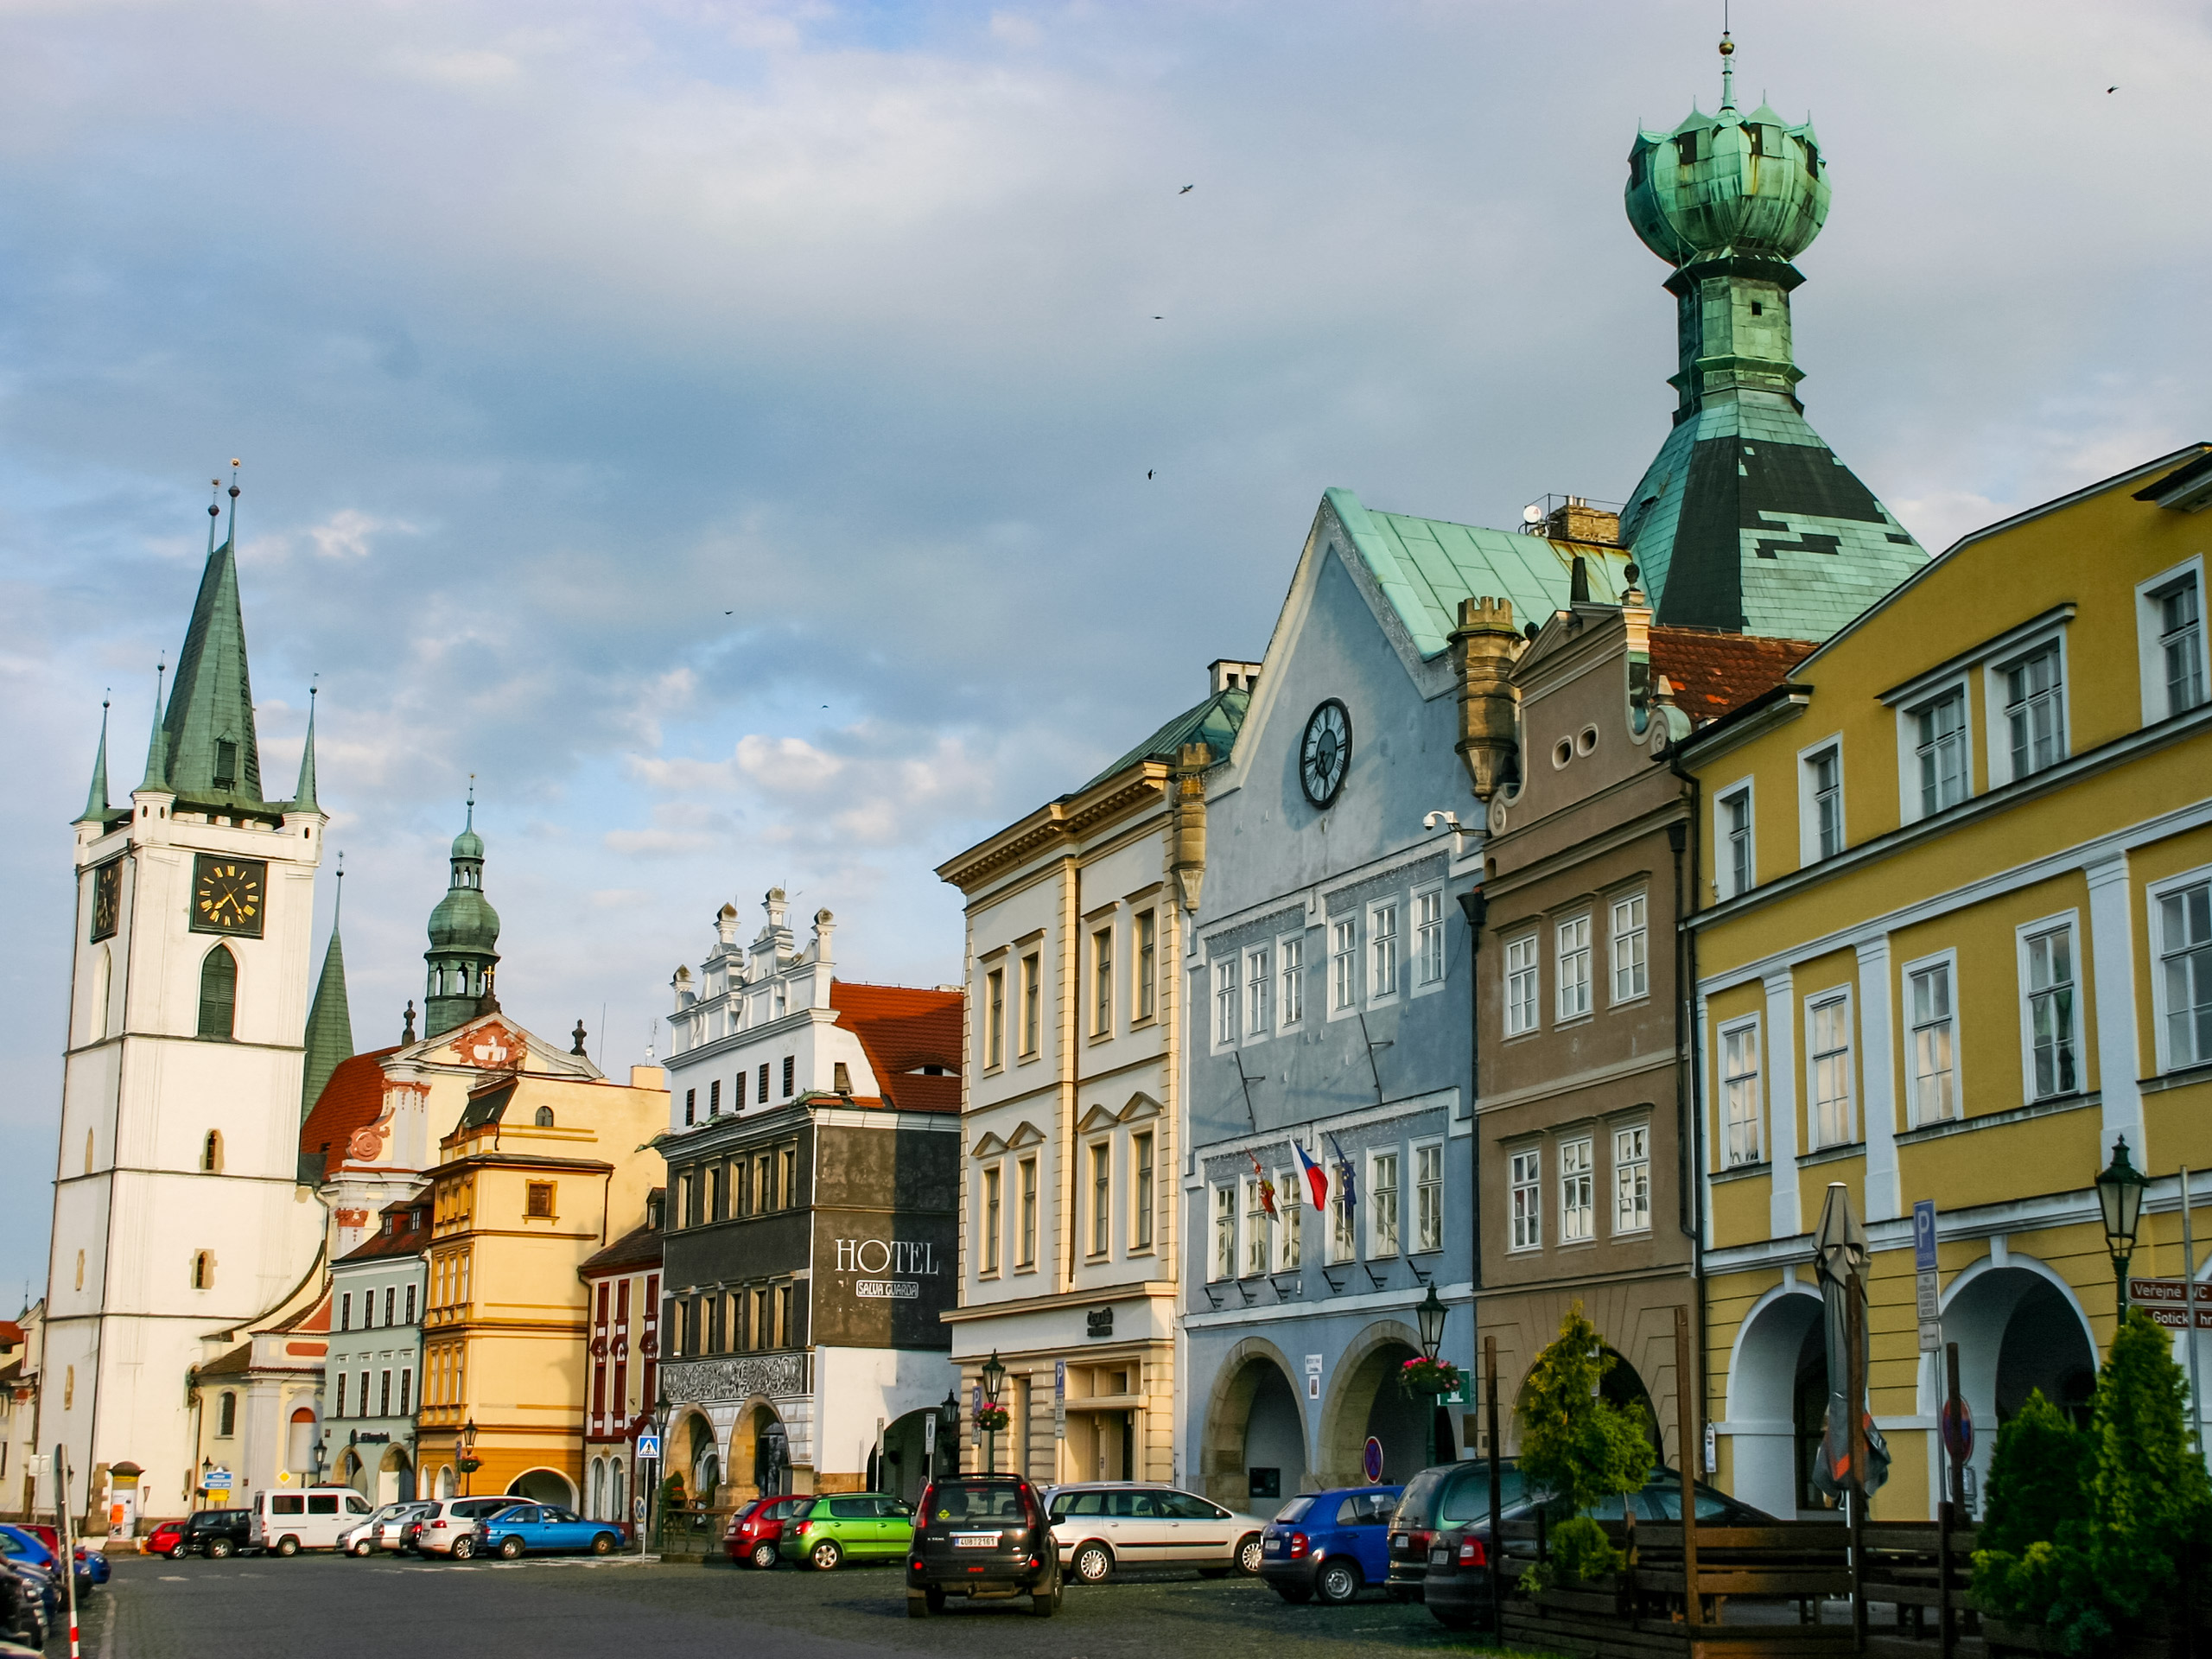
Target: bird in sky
[[1186, 189], [1148, 472], [1156, 317], [2110, 90]]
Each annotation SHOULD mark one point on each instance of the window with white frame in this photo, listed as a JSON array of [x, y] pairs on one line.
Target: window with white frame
[[1732, 825], [1257, 1244], [1633, 1179], [1935, 1042], [1146, 985], [1428, 1196], [1382, 1204], [1823, 806], [1578, 1209], [1741, 1141], [1571, 964], [993, 1212], [1428, 945], [1141, 1179], [1101, 1197], [1631, 944], [1224, 1232], [1828, 1022], [1939, 750], [2177, 610], [1290, 1236], [1525, 1198], [1382, 944], [2035, 710], [1026, 1231], [1259, 983], [2047, 963], [1345, 963], [1225, 1008], [1520, 985], [1291, 953], [1102, 981], [2185, 980], [1344, 1234]]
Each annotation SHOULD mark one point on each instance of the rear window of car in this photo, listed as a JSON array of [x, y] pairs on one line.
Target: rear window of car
[[1367, 1509], [1185, 1506], [980, 1500], [851, 1509], [1468, 1498], [1295, 1509]]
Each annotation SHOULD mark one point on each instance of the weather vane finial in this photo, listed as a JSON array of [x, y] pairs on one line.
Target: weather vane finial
[[1727, 68], [471, 824]]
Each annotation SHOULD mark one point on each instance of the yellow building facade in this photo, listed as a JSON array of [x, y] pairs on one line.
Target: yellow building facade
[[540, 1174], [1952, 944]]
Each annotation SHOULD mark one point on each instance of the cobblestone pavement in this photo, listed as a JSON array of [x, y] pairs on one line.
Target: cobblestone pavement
[[333, 1608]]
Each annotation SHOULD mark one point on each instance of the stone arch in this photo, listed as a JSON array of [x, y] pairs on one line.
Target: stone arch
[[1764, 1418], [690, 1447], [1240, 1384], [446, 1488], [394, 1476], [542, 1485], [219, 994], [759, 1451], [2019, 1327], [1364, 1399]]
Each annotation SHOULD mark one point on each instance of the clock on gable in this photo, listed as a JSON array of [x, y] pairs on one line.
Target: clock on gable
[[107, 899], [1325, 753], [229, 895]]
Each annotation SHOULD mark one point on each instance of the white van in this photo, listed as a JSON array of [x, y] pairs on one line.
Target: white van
[[287, 1522]]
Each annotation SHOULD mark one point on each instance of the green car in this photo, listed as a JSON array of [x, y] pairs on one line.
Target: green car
[[864, 1525]]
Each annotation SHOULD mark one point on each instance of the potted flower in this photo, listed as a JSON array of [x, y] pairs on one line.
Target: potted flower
[[991, 1418], [1421, 1375]]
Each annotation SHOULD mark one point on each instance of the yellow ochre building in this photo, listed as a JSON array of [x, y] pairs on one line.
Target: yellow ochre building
[[1952, 943]]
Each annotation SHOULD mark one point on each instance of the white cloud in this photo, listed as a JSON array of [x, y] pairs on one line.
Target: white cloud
[[345, 534]]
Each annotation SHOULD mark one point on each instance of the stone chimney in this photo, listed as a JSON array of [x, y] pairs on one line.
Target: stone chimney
[[1186, 845], [1223, 675], [1578, 521], [1483, 646]]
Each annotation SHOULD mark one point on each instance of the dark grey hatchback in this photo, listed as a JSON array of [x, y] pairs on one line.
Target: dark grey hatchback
[[985, 1537]]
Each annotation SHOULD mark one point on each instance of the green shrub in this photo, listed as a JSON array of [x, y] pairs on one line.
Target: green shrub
[[1575, 1445], [1580, 1550]]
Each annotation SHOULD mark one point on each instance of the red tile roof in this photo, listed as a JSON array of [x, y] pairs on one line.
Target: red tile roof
[[353, 1099], [10, 1334], [1713, 672], [638, 1248], [900, 1029], [403, 1240]]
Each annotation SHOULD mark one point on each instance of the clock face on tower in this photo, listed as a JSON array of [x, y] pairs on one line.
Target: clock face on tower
[[229, 895], [107, 899], [1325, 753]]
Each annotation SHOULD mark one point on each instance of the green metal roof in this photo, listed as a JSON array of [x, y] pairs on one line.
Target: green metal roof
[[1214, 723], [96, 807], [208, 728], [330, 1025]]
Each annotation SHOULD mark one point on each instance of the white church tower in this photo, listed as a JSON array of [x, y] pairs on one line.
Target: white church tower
[[178, 1219]]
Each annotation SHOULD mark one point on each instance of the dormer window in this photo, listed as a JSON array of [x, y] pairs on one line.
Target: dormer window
[[1686, 147], [226, 764]]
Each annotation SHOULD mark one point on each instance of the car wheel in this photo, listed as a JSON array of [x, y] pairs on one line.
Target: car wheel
[[825, 1555], [603, 1543], [1045, 1602], [178, 1552], [1250, 1553], [1296, 1594], [509, 1547], [1094, 1563], [218, 1547], [364, 1548], [934, 1597], [1337, 1583], [763, 1556], [287, 1546], [917, 1604], [463, 1548]]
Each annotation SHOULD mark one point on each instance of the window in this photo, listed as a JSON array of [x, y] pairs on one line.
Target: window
[[2173, 640], [1224, 1001], [1258, 981], [342, 1380], [1633, 1179], [791, 1177], [1141, 1180], [406, 1389], [1258, 1246], [390, 1297], [211, 1153], [1940, 751], [791, 1065], [410, 1304], [1101, 1197], [203, 1270], [1428, 1197], [1829, 1031], [841, 1077], [1382, 1204], [1147, 988], [384, 1394], [1632, 944], [993, 1203], [346, 1316], [1934, 1081], [1033, 1003], [1428, 945], [1345, 959], [219, 994], [1026, 1237], [1824, 804], [1733, 815], [226, 1417], [1739, 1086], [1574, 965], [1383, 942], [1520, 985], [1102, 981], [691, 1105], [995, 1017], [1224, 1232], [2048, 961], [737, 1084], [1292, 954], [1525, 1198], [763, 1090], [2035, 711], [1344, 1236], [2185, 983], [714, 1100], [1290, 1236], [1578, 1207]]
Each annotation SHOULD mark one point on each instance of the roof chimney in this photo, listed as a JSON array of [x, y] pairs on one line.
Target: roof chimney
[[1483, 646], [1223, 675]]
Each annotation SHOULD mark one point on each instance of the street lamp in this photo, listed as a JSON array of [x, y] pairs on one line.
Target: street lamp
[[948, 1427], [661, 1408], [1430, 1315], [465, 1453], [2120, 1196], [994, 1380]]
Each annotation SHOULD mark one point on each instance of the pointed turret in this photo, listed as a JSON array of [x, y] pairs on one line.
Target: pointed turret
[[304, 799], [96, 807], [329, 1039], [213, 754], [157, 748]]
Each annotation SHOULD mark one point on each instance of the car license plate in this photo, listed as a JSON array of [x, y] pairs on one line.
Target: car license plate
[[1440, 1557], [975, 1540], [1275, 1546], [1400, 1541]]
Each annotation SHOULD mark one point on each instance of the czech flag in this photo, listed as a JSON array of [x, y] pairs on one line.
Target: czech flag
[[1317, 1182]]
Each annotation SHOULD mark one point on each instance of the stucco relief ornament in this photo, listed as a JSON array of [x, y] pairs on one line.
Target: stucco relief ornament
[[495, 1046], [599, 1347]]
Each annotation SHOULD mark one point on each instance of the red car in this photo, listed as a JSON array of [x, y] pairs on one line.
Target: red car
[[755, 1531], [168, 1539]]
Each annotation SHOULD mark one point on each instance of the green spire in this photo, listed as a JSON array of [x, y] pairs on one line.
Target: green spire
[[96, 807], [464, 953], [330, 1024], [304, 800], [157, 748], [212, 755]]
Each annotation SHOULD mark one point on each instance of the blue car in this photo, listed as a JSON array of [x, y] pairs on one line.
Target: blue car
[[19, 1543], [544, 1529], [25, 1555], [1326, 1545]]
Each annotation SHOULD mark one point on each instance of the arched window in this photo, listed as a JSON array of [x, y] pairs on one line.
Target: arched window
[[545, 1117], [102, 980], [88, 1152], [210, 1153], [226, 1417], [218, 992], [203, 1269]]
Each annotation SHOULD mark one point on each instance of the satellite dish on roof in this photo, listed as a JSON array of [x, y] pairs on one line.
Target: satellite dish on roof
[[1532, 514]]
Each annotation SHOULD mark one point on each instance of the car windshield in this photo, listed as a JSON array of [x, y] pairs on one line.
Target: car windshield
[[976, 1500], [1467, 1497], [1295, 1509]]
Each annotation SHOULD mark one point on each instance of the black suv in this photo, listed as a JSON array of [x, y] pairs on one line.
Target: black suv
[[985, 1537], [217, 1533]]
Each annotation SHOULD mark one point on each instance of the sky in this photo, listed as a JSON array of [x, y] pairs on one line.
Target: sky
[[784, 442]]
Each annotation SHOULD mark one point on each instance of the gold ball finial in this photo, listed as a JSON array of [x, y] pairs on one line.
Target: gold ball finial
[[1727, 46]]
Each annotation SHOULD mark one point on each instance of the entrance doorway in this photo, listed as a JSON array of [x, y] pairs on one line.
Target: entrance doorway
[[1254, 1421], [772, 1457]]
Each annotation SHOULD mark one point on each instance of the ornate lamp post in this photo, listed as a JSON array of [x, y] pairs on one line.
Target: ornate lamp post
[[653, 1513], [948, 1429], [1430, 1315], [2120, 1196], [464, 1448], [992, 1416]]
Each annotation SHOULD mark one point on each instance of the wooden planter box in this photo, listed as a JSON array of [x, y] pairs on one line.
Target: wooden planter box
[[1601, 1596], [2004, 1637]]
